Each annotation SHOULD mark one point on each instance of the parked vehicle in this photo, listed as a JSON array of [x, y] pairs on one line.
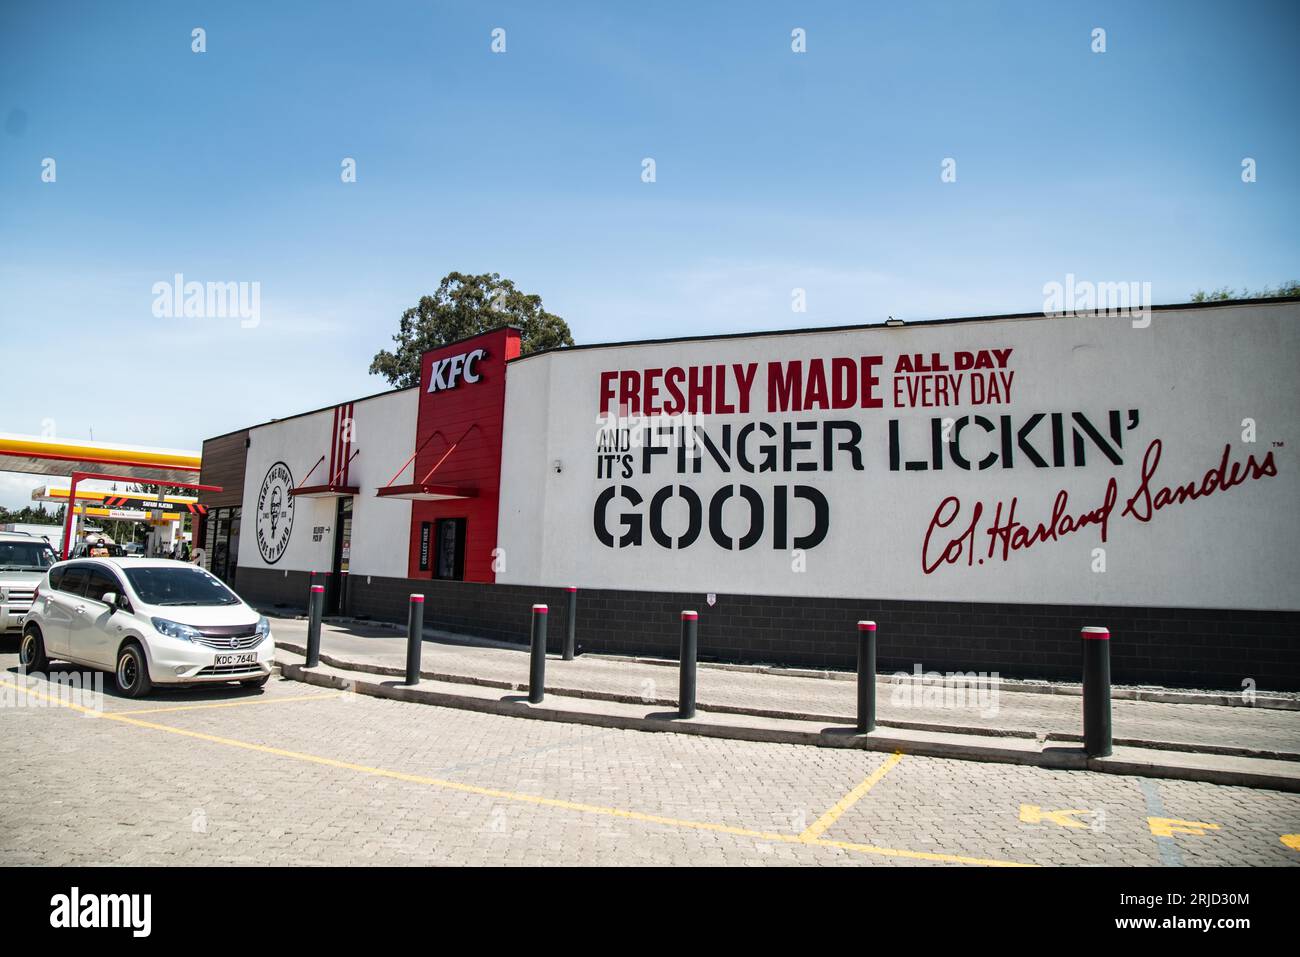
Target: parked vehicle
[[24, 561], [97, 548], [50, 533], [149, 621]]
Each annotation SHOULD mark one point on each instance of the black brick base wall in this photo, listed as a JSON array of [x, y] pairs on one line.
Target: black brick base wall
[[1178, 647]]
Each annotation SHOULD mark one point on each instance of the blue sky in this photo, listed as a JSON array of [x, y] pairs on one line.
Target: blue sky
[[775, 170]]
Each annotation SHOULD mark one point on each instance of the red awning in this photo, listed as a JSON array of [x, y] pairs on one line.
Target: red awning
[[325, 491], [427, 493], [422, 491]]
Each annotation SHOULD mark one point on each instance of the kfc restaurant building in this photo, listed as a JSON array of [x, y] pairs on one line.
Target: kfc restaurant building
[[980, 487]]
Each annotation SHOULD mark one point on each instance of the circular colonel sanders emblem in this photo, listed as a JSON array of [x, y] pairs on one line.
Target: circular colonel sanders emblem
[[274, 519]]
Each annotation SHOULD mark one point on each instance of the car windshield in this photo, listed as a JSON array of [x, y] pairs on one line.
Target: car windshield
[[179, 585], [26, 556]]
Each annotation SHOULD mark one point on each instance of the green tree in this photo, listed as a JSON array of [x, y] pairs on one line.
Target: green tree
[[1224, 293], [152, 488], [27, 515], [464, 306]]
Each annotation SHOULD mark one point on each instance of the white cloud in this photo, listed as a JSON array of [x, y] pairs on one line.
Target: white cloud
[[16, 488]]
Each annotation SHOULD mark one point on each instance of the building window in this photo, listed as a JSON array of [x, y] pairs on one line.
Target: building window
[[450, 549]]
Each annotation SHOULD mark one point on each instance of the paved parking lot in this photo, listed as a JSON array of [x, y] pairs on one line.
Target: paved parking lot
[[300, 775]]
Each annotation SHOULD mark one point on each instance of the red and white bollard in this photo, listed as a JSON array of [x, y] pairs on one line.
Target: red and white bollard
[[537, 657], [315, 610], [687, 658], [569, 642], [866, 676], [1096, 692], [414, 639]]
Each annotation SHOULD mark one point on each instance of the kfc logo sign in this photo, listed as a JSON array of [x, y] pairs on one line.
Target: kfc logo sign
[[447, 373]]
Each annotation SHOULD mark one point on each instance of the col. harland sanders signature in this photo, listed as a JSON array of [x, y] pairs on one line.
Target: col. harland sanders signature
[[1007, 535]]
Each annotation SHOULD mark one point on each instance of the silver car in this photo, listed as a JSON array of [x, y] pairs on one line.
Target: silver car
[[149, 622], [24, 561]]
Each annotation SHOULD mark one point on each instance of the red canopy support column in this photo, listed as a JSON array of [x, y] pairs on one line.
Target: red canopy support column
[[72, 508]]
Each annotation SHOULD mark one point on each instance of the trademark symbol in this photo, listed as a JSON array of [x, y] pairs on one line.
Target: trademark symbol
[[1279, 445]]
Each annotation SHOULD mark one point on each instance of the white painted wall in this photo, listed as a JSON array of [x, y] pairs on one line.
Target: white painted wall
[[1194, 374], [384, 433], [381, 528]]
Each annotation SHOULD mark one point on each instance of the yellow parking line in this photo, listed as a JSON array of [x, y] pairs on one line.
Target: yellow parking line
[[819, 826], [919, 855], [527, 798], [236, 704]]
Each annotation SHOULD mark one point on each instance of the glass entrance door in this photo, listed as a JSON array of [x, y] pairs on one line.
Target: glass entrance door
[[336, 597]]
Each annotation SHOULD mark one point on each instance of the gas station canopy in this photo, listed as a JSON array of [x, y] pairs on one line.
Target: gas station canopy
[[81, 460], [50, 456], [52, 493], [131, 506]]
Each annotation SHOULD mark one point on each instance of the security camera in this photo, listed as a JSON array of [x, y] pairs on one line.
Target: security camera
[[558, 466]]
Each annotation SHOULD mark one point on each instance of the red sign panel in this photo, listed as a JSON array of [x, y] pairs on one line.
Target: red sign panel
[[458, 435]]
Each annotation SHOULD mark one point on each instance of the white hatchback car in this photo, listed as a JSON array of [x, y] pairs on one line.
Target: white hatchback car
[[148, 621]]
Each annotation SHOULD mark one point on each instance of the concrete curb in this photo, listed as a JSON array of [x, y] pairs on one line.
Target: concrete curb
[[1242, 772], [547, 711], [1009, 685], [834, 719]]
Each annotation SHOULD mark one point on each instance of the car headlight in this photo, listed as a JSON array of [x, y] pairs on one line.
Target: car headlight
[[174, 629], [263, 628]]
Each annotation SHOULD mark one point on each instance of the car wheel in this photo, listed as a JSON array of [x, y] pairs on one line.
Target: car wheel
[[132, 672], [255, 682], [31, 652]]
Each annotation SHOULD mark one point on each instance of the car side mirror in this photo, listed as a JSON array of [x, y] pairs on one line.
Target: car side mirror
[[109, 598]]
